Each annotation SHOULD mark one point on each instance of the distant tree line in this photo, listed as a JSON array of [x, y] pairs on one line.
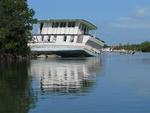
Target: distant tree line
[[144, 46], [16, 21]]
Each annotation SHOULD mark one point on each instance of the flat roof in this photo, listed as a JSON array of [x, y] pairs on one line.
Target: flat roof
[[85, 22]]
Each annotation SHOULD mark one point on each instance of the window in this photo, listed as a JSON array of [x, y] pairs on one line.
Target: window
[[62, 24], [48, 38], [71, 24], [80, 26], [84, 30], [55, 24], [83, 27], [41, 27], [65, 38], [42, 38], [72, 39], [80, 39], [54, 38]]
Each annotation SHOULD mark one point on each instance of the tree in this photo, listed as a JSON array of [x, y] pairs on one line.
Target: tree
[[145, 46], [16, 21]]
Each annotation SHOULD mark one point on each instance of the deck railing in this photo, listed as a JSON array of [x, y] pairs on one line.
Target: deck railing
[[51, 38]]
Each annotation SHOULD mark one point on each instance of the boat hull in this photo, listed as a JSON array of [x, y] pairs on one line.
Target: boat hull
[[65, 53]]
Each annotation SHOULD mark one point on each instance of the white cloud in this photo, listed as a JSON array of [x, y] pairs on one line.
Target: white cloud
[[142, 12], [132, 24], [140, 19]]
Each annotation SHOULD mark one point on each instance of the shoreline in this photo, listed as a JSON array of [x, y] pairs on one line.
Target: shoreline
[[12, 57]]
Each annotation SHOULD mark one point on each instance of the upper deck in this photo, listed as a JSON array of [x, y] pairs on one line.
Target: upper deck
[[65, 26]]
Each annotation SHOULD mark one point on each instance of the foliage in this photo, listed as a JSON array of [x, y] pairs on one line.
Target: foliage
[[144, 47], [16, 21]]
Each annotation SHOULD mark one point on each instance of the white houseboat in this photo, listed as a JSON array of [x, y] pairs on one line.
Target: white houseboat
[[66, 38]]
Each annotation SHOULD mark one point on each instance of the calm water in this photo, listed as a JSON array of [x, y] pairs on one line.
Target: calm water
[[113, 83]]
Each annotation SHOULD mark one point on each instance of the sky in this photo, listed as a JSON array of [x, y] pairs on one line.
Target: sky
[[118, 21]]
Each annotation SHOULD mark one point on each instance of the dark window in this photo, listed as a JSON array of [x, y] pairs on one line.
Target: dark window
[[62, 24], [71, 24], [42, 38], [83, 27], [80, 26], [84, 30], [55, 24], [72, 39], [48, 38], [65, 38], [41, 26]]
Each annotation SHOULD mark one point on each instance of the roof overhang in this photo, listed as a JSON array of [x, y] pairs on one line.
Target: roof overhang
[[82, 21]]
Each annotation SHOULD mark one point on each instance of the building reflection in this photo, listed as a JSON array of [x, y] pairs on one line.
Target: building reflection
[[66, 75]]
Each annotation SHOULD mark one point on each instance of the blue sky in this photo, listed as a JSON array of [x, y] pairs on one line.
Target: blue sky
[[119, 21]]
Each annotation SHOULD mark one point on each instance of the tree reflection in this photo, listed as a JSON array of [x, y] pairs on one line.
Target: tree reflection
[[16, 95]]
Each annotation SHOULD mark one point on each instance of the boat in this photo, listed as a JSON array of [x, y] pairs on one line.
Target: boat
[[65, 38]]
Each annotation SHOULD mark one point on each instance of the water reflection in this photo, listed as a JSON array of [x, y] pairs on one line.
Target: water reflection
[[65, 75], [16, 94]]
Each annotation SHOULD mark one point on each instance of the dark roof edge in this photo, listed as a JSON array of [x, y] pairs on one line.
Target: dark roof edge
[[92, 26]]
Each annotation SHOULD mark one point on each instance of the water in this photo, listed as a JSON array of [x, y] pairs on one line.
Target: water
[[113, 83]]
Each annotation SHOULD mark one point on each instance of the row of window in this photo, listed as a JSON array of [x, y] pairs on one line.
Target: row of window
[[71, 38], [63, 24], [83, 28], [53, 39], [79, 39], [67, 24]]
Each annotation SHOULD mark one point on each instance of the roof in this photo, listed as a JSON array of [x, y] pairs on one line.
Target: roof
[[85, 22]]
